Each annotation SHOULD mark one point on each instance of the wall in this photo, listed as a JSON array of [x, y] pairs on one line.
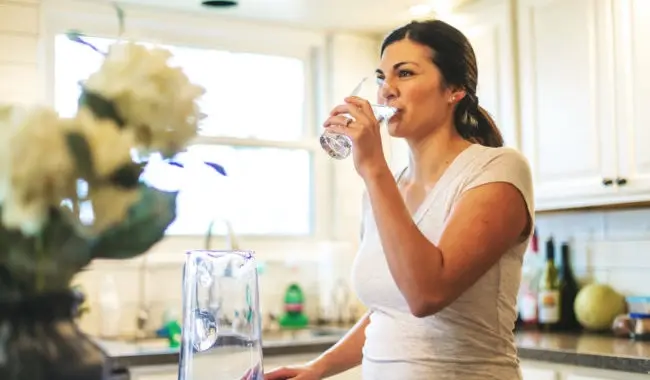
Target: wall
[[25, 77], [21, 70], [608, 246]]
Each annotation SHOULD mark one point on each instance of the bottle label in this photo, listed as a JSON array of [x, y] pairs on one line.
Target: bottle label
[[549, 306], [528, 308]]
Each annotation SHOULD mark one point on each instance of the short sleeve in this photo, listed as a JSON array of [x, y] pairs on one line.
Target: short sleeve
[[505, 165]]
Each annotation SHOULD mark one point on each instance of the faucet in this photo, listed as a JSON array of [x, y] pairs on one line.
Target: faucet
[[215, 305]]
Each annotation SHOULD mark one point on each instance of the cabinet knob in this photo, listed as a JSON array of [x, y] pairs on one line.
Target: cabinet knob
[[607, 181], [621, 181]]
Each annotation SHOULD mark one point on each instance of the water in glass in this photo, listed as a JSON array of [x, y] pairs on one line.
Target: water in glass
[[340, 146]]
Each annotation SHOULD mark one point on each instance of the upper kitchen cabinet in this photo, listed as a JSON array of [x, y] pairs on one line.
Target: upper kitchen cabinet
[[489, 25], [632, 32], [567, 97]]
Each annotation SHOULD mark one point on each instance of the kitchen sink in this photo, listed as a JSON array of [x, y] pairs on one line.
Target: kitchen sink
[[308, 333]]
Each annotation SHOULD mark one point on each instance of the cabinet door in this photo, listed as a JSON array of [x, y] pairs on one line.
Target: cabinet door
[[489, 26], [164, 372], [272, 362], [633, 96], [538, 374], [567, 103], [352, 374]]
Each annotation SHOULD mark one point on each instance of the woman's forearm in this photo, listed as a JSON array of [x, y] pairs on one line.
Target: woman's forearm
[[412, 259], [346, 353]]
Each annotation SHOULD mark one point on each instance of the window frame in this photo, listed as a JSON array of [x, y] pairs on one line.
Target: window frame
[[212, 32]]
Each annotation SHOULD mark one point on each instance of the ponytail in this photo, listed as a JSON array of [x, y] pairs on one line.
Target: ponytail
[[475, 124]]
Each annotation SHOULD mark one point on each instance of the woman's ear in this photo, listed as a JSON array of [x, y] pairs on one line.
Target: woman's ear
[[456, 96]]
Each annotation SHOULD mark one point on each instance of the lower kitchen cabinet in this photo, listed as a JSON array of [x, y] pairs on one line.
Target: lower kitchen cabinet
[[538, 373], [537, 370], [287, 360], [170, 372], [531, 370], [161, 372]]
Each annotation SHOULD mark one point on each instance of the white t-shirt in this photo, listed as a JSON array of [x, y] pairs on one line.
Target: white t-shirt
[[472, 338]]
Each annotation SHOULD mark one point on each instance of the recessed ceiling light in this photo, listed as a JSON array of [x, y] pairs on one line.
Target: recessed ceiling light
[[421, 10], [219, 3]]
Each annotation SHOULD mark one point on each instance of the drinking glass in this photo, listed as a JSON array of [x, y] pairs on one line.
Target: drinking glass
[[340, 146], [221, 336]]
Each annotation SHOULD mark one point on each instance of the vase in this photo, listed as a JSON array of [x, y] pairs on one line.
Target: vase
[[221, 336], [39, 340]]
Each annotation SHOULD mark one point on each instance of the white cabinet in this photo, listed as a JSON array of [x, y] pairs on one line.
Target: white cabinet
[[538, 374], [633, 95], [287, 360], [538, 370], [163, 372], [567, 99], [584, 90], [489, 26]]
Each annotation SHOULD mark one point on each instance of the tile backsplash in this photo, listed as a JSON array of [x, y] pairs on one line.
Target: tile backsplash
[[157, 286], [611, 246]]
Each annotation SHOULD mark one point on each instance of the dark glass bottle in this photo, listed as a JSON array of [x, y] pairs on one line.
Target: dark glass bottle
[[568, 291]]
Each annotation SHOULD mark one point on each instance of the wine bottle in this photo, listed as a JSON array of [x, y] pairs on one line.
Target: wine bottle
[[549, 302], [528, 293], [568, 291]]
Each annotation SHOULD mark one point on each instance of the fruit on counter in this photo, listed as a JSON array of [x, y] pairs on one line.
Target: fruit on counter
[[597, 305]]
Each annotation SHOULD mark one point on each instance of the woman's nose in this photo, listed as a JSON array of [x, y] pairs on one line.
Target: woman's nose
[[387, 91]]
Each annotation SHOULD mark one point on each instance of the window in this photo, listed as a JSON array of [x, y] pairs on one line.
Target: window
[[258, 127]]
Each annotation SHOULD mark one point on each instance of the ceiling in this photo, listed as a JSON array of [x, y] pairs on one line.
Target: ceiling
[[370, 16]]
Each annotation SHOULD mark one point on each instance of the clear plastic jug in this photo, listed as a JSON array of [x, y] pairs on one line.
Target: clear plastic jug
[[221, 335]]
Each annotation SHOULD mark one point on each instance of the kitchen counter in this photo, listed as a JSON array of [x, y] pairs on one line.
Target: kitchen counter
[[155, 352], [585, 350]]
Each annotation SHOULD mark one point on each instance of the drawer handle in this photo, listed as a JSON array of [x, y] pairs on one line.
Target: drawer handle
[[607, 181], [621, 181]]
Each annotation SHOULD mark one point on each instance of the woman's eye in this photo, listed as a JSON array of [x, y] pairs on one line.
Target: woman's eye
[[405, 73]]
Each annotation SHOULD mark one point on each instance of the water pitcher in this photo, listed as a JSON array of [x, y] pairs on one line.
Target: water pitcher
[[221, 337]]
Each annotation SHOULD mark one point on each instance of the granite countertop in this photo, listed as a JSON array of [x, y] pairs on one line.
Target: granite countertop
[[586, 350], [124, 354]]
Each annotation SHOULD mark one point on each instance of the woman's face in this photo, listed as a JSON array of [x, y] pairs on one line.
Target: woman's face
[[409, 81]]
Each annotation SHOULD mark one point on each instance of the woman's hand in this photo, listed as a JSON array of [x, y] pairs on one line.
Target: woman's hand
[[364, 132], [305, 372]]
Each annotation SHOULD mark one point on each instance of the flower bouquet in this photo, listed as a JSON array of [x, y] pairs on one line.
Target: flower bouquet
[[71, 191]]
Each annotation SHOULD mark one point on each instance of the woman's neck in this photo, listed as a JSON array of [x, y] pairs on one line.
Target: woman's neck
[[431, 156]]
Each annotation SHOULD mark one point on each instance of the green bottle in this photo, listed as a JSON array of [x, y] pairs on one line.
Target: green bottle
[[294, 300]]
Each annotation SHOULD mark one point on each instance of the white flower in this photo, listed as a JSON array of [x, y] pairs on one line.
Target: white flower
[[110, 146], [36, 170], [155, 99]]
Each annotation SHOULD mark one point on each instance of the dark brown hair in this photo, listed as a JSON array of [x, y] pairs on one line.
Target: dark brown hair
[[454, 57]]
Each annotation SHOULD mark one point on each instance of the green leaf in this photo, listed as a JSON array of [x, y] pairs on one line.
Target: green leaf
[[128, 175], [77, 36], [120, 18], [52, 258], [144, 226], [101, 107], [80, 150]]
